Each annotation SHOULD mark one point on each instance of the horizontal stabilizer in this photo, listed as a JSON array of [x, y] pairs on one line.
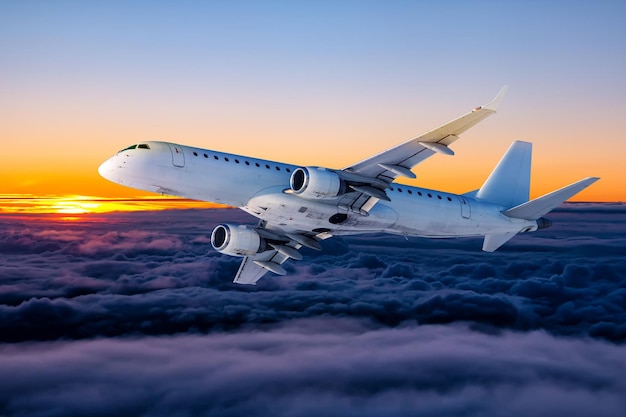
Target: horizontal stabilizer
[[533, 210], [493, 242]]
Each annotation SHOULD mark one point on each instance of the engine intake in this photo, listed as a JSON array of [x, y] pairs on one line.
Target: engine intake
[[315, 183], [236, 240]]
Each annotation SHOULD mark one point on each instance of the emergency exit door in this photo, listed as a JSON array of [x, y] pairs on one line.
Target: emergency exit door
[[178, 157], [466, 210]]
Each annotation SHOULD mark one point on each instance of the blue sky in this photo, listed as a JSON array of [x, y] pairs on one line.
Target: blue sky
[[314, 44], [291, 80]]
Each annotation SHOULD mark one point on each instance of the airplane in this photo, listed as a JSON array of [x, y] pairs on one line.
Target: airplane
[[298, 206]]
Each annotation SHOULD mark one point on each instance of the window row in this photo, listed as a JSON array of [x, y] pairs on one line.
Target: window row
[[419, 193], [267, 166], [226, 159]]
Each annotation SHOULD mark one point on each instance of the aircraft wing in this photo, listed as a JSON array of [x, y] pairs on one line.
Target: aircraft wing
[[282, 246], [399, 160], [371, 177], [250, 271]]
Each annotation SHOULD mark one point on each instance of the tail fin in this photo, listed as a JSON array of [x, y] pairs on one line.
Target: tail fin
[[508, 184], [537, 208]]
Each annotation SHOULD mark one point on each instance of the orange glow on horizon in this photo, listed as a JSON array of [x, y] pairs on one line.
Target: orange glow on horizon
[[282, 89], [475, 159], [71, 207]]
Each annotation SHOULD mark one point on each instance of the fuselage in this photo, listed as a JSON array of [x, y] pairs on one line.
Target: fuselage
[[262, 188]]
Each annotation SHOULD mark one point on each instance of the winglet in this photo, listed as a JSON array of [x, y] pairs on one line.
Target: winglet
[[495, 103]]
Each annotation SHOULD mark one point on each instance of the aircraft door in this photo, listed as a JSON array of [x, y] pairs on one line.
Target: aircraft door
[[178, 157], [466, 210]]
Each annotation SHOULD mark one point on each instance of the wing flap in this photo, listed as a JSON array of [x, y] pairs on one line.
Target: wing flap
[[253, 268], [249, 272]]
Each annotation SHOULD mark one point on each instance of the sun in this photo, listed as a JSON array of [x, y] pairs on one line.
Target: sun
[[75, 206]]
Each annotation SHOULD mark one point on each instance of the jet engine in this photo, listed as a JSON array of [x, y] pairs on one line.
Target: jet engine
[[313, 183], [236, 240]]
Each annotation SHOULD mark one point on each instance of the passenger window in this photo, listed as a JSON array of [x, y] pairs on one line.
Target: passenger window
[[247, 163], [287, 169], [257, 164], [216, 157], [226, 159], [236, 161], [419, 193], [205, 155], [195, 154], [277, 168], [439, 197], [409, 191], [267, 166], [429, 195]]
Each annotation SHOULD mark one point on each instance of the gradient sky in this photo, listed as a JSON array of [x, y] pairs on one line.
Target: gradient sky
[[322, 83]]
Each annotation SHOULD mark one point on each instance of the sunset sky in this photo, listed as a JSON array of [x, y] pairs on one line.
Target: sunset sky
[[110, 308], [318, 83]]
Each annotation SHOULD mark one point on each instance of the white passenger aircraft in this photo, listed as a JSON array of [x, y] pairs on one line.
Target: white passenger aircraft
[[298, 206]]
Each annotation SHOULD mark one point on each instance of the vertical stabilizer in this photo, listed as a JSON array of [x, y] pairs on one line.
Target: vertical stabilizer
[[508, 184]]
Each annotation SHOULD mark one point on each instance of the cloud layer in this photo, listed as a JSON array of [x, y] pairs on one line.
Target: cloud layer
[[320, 366], [134, 314], [155, 273]]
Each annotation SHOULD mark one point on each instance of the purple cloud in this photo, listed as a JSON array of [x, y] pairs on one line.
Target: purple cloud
[[155, 273], [318, 367]]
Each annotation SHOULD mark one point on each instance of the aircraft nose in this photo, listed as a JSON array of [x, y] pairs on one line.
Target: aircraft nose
[[107, 169]]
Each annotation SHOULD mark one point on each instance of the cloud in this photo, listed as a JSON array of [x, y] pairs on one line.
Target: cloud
[[318, 366], [130, 242], [155, 273], [135, 314]]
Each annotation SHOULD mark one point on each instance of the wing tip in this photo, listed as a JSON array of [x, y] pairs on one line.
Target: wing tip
[[495, 103]]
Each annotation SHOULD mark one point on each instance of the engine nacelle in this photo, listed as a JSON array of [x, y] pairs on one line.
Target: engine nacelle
[[236, 240], [315, 183]]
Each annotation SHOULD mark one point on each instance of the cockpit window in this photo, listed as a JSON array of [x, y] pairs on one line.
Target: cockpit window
[[129, 148], [139, 146]]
